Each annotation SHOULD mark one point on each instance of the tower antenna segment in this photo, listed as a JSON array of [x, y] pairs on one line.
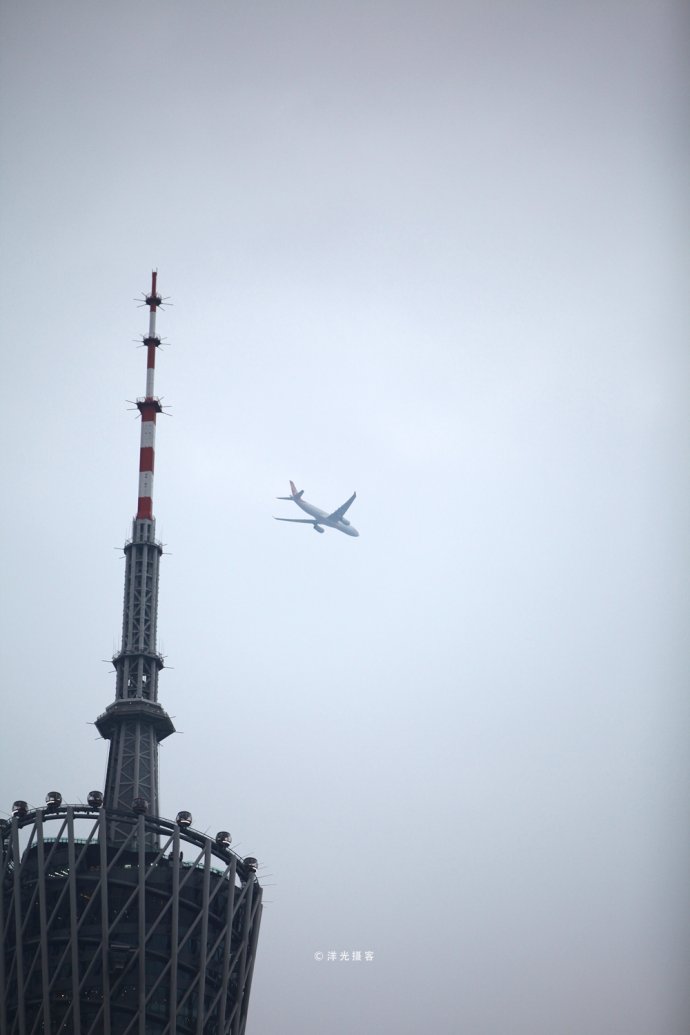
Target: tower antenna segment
[[148, 407], [135, 722]]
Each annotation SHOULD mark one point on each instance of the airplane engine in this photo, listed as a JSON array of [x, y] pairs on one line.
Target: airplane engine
[[317, 528], [345, 521]]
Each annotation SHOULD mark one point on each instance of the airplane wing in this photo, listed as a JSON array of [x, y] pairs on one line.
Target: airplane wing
[[299, 521], [338, 514]]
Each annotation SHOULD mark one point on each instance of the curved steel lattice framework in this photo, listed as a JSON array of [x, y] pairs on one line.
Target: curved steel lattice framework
[[113, 936]]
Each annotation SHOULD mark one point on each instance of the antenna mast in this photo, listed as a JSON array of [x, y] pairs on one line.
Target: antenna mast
[[135, 722]]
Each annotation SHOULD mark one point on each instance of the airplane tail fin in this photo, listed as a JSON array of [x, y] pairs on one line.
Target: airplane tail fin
[[295, 494]]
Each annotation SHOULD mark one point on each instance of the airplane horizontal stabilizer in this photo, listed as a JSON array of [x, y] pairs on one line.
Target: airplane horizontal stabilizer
[[295, 494]]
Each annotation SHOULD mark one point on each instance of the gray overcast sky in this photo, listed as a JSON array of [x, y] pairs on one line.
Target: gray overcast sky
[[432, 252]]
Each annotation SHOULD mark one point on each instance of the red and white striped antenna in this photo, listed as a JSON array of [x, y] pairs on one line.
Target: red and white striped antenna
[[148, 407], [135, 722]]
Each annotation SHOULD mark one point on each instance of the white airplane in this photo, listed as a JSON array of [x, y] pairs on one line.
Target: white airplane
[[319, 517]]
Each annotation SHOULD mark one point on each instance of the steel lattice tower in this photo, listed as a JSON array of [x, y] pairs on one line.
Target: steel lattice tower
[[106, 927]]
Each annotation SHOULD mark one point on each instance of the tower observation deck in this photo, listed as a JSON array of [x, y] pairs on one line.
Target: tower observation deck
[[113, 920]]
